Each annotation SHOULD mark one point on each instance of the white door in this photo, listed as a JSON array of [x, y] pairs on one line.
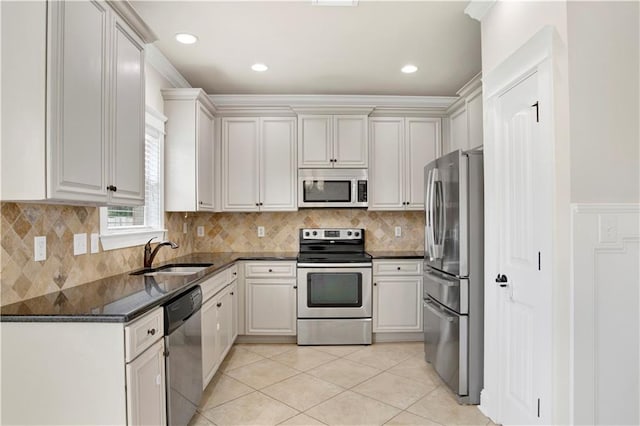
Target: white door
[[350, 141], [240, 164], [146, 403], [79, 107], [315, 141], [271, 306], [524, 316], [127, 140], [205, 162], [422, 145], [387, 164], [278, 170]]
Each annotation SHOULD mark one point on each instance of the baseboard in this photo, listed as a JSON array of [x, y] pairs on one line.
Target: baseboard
[[398, 337], [266, 339]]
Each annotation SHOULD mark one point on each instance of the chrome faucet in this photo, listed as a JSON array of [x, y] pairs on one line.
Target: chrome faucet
[[149, 254]]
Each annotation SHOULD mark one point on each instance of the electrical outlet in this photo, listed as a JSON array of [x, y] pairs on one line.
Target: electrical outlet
[[79, 244], [260, 231], [398, 231], [184, 227], [39, 248], [200, 231], [95, 242]]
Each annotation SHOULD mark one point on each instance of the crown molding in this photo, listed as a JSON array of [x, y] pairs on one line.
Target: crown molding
[[189, 94], [478, 9], [334, 104], [155, 58], [135, 21], [471, 85], [408, 112], [251, 111]]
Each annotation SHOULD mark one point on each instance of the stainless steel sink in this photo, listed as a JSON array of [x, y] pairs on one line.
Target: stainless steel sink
[[176, 269]]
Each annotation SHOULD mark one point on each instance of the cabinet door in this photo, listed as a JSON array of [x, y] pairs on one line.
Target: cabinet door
[[209, 322], [278, 171], [225, 322], [234, 311], [350, 141], [205, 159], [387, 164], [397, 304], [78, 106], [271, 306], [240, 164], [146, 403], [127, 141], [315, 141], [422, 145], [459, 131], [474, 119]]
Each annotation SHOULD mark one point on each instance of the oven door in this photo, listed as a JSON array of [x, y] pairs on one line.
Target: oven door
[[334, 292]]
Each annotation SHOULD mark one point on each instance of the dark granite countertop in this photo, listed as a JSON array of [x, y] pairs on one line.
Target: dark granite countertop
[[388, 254], [124, 297]]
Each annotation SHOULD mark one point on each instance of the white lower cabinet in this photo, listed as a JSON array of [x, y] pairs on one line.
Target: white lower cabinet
[[270, 295], [146, 404], [397, 296], [218, 317]]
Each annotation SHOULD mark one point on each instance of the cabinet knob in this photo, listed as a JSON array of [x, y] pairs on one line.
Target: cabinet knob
[[232, 293], [261, 203], [375, 284], [398, 268], [201, 203], [219, 304], [235, 273], [112, 188], [257, 204], [270, 270], [151, 331], [295, 286]]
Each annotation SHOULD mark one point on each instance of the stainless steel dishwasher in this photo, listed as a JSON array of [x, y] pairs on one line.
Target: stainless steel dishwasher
[[183, 341]]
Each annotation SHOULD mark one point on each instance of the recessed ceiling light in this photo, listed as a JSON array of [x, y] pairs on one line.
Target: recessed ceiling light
[[259, 67], [186, 38], [408, 69]]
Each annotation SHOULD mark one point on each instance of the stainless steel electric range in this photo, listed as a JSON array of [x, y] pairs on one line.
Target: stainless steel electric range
[[334, 288]]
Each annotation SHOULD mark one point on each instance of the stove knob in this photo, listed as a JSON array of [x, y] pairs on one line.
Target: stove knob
[[306, 234], [357, 234], [349, 233], [315, 233]]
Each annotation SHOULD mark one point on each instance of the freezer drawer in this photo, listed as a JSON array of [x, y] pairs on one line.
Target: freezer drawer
[[445, 344], [448, 290]]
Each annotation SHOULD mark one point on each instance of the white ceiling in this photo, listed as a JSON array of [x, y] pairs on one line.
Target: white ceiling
[[319, 49]]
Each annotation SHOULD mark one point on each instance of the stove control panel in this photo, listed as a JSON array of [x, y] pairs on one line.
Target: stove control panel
[[332, 234]]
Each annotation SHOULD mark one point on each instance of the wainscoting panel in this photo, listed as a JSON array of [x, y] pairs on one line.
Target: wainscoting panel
[[605, 337]]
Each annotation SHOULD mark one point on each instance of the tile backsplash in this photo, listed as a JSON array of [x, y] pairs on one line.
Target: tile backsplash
[[238, 231], [23, 278]]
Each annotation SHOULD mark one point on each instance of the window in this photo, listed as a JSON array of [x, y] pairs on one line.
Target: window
[[125, 226]]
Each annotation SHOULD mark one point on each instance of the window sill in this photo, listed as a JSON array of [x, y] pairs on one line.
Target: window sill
[[130, 239]]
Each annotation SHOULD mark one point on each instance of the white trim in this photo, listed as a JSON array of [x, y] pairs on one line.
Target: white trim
[[130, 239], [189, 94], [155, 120], [594, 208], [471, 85], [336, 101], [155, 58], [133, 19], [478, 9]]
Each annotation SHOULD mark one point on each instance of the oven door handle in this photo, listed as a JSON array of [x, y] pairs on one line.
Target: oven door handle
[[437, 312], [334, 265]]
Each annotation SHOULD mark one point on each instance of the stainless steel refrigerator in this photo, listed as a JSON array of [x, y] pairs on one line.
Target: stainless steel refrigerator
[[453, 282]]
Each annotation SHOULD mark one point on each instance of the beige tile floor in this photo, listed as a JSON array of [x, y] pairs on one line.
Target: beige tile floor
[[285, 384]]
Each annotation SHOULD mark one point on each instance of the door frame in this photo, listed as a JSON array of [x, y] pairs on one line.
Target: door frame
[[535, 56]]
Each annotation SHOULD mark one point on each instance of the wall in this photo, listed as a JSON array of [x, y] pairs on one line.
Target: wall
[[506, 27], [604, 92], [154, 81], [24, 278], [238, 231]]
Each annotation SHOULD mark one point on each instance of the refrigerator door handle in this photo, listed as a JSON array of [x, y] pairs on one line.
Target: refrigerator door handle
[[432, 231], [429, 218], [437, 312], [442, 218]]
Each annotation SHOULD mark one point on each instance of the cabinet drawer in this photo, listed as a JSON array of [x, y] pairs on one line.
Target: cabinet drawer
[[397, 267], [270, 269], [214, 284], [142, 333]]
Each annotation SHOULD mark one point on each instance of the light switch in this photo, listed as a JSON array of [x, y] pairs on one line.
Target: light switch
[[39, 248], [95, 242], [398, 231], [260, 231], [79, 244], [200, 231]]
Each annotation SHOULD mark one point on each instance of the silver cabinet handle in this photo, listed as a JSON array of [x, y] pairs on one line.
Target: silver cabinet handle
[[437, 312]]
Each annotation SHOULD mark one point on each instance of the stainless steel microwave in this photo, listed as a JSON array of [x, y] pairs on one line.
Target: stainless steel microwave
[[332, 187]]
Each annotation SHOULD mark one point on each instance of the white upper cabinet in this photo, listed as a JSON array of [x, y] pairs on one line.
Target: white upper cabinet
[[259, 164], [82, 101], [400, 148], [326, 141], [465, 117], [189, 151]]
